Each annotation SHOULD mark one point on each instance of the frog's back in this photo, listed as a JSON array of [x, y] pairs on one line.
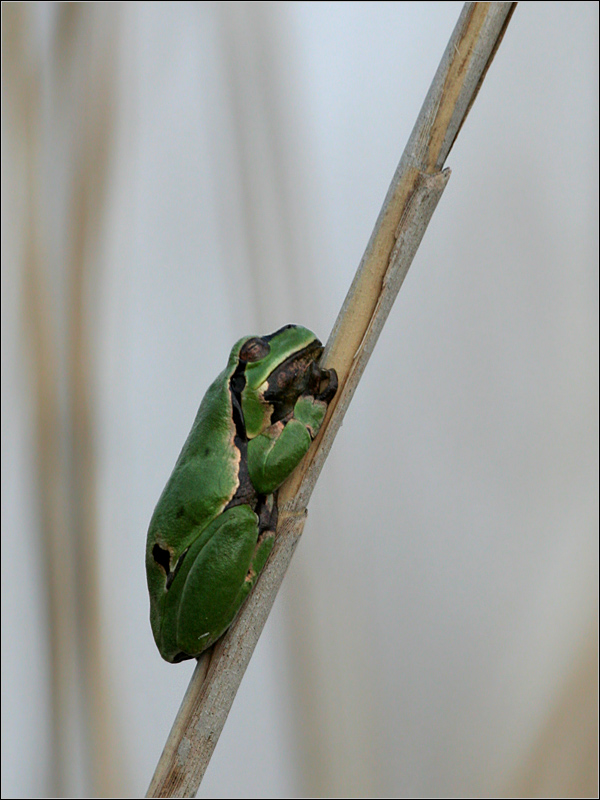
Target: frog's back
[[205, 476]]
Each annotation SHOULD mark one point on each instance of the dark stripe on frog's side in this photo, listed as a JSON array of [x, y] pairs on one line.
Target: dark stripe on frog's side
[[237, 383], [245, 493]]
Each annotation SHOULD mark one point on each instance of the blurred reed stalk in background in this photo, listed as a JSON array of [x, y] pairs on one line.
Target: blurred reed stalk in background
[[78, 72]]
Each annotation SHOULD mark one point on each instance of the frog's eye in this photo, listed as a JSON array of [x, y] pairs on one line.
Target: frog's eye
[[254, 349]]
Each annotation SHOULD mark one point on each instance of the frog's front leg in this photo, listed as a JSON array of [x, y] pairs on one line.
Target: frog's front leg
[[278, 450]]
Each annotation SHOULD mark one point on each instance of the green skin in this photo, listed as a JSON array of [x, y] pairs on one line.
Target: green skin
[[214, 524]]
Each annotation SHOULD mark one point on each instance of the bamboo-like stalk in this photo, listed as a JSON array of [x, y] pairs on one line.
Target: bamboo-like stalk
[[23, 87], [410, 202], [64, 446], [94, 26]]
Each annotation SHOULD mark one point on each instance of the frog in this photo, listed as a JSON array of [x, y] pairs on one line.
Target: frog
[[215, 522]]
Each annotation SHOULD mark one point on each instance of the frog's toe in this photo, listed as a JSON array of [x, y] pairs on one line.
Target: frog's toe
[[329, 376]]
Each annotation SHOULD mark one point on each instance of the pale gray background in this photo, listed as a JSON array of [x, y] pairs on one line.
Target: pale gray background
[[436, 634]]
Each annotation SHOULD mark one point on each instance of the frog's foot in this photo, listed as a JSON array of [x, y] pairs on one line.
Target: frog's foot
[[328, 386], [264, 545]]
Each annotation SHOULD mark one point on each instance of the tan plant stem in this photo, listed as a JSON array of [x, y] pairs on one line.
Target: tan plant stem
[[22, 87], [411, 200]]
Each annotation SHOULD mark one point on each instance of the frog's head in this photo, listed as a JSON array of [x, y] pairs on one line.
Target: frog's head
[[272, 372]]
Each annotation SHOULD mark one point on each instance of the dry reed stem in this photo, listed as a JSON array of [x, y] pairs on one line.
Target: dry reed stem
[[411, 200]]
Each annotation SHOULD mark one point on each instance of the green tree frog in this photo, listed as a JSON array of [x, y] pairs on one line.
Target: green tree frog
[[214, 524]]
